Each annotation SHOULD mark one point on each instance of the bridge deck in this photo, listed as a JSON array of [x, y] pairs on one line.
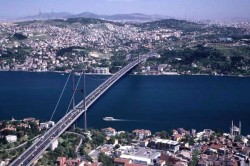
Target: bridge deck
[[41, 144]]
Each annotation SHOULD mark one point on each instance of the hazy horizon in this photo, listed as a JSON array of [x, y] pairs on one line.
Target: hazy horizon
[[192, 9]]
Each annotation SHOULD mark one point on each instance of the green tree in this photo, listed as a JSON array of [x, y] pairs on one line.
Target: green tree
[[195, 159], [85, 155], [191, 141], [164, 134], [98, 138], [117, 146], [125, 137], [78, 130], [111, 140], [218, 132], [106, 160], [59, 151], [28, 144], [212, 137]]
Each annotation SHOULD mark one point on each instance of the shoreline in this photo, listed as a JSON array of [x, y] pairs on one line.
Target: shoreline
[[139, 74]]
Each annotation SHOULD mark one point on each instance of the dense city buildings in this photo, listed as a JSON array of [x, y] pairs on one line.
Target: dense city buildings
[[139, 148], [102, 47]]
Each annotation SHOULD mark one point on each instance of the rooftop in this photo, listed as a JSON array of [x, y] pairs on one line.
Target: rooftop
[[166, 141]]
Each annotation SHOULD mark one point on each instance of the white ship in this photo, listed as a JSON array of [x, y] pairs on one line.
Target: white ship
[[108, 119]]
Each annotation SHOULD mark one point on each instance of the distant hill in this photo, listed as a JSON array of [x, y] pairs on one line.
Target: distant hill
[[69, 21], [89, 18], [87, 15], [46, 16], [183, 25], [186, 27], [83, 20], [134, 17]]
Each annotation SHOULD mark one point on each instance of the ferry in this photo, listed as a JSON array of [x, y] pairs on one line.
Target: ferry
[[108, 119]]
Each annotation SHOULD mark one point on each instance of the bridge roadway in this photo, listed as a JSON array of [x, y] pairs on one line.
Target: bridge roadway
[[43, 142]]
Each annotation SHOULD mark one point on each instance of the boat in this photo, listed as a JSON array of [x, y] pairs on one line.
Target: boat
[[108, 119]]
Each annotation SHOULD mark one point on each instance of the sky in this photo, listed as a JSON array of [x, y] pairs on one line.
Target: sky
[[197, 9]]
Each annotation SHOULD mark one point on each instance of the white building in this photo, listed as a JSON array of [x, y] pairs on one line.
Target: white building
[[142, 133], [137, 159], [165, 144], [161, 67], [47, 125], [4, 163], [101, 70], [54, 144], [109, 131], [139, 155], [11, 138]]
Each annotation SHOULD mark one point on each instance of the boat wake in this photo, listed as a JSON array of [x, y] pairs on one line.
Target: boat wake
[[111, 119], [122, 120]]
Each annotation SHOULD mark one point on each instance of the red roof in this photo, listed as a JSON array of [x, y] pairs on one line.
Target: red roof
[[216, 146], [134, 164], [120, 160]]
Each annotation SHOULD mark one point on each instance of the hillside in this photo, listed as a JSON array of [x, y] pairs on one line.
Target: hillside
[[66, 44]]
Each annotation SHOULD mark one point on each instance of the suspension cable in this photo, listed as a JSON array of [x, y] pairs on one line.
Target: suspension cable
[[74, 93], [65, 85]]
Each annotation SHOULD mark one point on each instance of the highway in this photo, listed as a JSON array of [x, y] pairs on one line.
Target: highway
[[43, 142]]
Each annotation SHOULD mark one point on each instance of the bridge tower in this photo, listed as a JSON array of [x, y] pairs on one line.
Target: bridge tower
[[73, 98], [83, 91], [84, 101]]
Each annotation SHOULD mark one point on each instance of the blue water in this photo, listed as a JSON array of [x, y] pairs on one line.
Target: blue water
[[149, 102]]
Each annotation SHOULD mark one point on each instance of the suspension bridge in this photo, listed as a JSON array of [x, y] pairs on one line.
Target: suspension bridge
[[29, 156]]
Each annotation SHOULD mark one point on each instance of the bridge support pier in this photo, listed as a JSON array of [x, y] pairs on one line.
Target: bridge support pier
[[84, 104], [85, 120], [82, 90], [72, 127]]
